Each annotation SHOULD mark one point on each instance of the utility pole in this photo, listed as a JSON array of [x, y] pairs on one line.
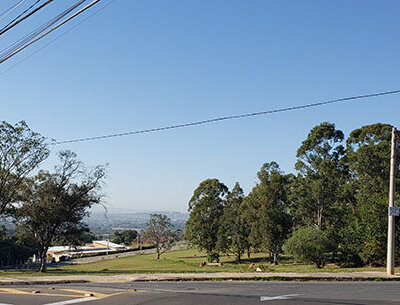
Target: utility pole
[[392, 212]]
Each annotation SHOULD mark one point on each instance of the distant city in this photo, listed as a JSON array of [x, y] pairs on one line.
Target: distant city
[[111, 221]]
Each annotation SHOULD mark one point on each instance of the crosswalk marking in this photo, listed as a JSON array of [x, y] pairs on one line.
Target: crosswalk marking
[[73, 301], [279, 297]]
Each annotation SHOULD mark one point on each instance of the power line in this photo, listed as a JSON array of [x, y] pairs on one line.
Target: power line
[[49, 31], [24, 40], [16, 20], [10, 10], [239, 116], [56, 38]]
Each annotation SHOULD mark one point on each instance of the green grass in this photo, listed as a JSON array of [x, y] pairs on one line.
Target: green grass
[[182, 261]]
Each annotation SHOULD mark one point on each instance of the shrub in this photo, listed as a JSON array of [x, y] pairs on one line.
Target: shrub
[[308, 244]]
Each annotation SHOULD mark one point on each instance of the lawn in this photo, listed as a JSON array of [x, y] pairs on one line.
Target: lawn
[[183, 261]]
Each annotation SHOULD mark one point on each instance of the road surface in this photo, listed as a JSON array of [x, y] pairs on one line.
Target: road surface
[[202, 293]]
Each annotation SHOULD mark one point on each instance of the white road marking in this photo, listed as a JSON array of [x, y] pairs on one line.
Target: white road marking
[[72, 301], [5, 304], [279, 297]]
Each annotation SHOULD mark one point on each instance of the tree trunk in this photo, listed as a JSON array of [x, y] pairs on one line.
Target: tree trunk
[[158, 251], [43, 256], [238, 257], [275, 258], [248, 252]]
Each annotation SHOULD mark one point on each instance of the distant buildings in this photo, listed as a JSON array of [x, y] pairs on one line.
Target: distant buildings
[[60, 253]]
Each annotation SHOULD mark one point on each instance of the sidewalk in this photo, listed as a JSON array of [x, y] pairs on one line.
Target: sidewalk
[[350, 276]]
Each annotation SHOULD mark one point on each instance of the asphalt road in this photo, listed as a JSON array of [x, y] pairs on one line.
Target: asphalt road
[[201, 293]]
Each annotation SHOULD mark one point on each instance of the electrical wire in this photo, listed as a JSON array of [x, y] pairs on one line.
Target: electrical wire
[[21, 42], [239, 116], [56, 38], [16, 20], [10, 10], [49, 31]]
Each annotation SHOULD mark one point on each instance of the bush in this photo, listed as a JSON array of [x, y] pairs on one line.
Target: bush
[[308, 244], [213, 256]]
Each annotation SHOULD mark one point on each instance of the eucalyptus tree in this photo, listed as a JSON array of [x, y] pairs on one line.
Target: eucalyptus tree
[[368, 153], [233, 233], [266, 208], [322, 174], [206, 208]]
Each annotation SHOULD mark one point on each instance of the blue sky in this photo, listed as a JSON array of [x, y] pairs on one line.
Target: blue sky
[[145, 64]]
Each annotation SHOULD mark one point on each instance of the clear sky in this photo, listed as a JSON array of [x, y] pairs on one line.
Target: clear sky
[[145, 64]]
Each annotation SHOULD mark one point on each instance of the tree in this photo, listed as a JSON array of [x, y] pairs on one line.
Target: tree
[[160, 232], [125, 237], [206, 208], [308, 244], [55, 203], [266, 209], [368, 153], [233, 233], [321, 176], [21, 151]]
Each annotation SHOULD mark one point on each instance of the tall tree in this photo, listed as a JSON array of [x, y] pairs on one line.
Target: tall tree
[[233, 232], [21, 151], [267, 209], [368, 153], [160, 232], [206, 208], [322, 173], [56, 203]]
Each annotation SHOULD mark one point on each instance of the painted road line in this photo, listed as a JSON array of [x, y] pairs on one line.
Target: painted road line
[[279, 297], [74, 301], [17, 291], [13, 291], [5, 304], [84, 292]]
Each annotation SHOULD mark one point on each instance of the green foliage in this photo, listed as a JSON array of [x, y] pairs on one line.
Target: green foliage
[[317, 189], [266, 210], [233, 232], [213, 256], [206, 208], [125, 237], [15, 248], [308, 244], [160, 232], [55, 203], [21, 151]]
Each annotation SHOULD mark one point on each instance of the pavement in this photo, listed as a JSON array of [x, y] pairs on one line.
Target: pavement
[[205, 293], [175, 277]]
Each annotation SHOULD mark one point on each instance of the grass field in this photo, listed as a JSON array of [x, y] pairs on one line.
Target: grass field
[[182, 261]]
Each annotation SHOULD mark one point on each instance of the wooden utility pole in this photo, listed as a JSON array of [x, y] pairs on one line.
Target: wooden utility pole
[[390, 246]]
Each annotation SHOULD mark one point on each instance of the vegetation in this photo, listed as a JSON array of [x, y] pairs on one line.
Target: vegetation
[[125, 237], [339, 195], [55, 204], [333, 211], [184, 261], [160, 232], [308, 244], [206, 208]]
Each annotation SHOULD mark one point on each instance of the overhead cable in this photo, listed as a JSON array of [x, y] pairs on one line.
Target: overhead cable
[[5, 52], [10, 10], [56, 38], [239, 116], [49, 31], [17, 19]]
